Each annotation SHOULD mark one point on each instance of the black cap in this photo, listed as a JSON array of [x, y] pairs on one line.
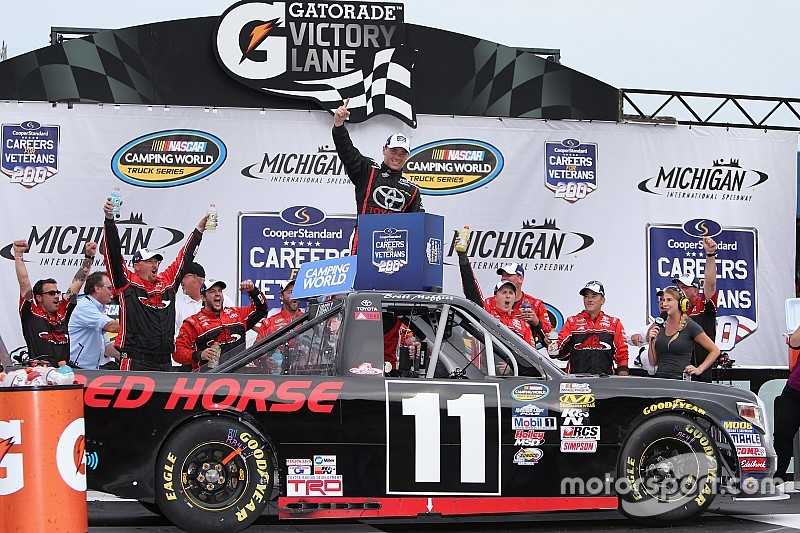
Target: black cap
[[196, 269]]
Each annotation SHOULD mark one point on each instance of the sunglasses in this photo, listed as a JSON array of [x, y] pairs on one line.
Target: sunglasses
[[51, 293]]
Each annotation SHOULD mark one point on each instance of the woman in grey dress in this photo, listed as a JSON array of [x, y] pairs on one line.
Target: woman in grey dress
[[671, 345]]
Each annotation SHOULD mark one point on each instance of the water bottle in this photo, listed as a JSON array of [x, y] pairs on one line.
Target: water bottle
[[552, 343], [277, 359], [214, 363], [116, 201], [211, 221], [462, 242]]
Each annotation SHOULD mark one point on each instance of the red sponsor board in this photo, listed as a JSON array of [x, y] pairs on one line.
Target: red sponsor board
[[578, 446], [529, 434], [367, 315], [751, 451], [317, 485], [356, 508], [753, 463]]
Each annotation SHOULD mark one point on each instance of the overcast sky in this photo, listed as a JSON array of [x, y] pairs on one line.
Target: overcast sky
[[732, 46]]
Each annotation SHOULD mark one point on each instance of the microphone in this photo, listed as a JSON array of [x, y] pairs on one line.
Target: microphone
[[661, 319]]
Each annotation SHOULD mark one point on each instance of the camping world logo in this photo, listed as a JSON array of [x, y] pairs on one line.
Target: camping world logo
[[453, 166], [390, 250], [324, 51], [724, 180]]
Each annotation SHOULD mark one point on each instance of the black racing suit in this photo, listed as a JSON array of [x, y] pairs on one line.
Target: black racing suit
[[379, 189], [146, 310]]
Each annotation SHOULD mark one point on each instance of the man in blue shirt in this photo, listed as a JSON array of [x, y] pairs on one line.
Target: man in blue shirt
[[89, 346]]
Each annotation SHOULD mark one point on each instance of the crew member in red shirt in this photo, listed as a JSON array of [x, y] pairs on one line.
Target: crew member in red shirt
[[592, 341], [290, 309], [216, 325], [530, 309], [501, 305]]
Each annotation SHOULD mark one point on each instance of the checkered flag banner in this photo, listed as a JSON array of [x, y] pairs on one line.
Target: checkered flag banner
[[386, 89]]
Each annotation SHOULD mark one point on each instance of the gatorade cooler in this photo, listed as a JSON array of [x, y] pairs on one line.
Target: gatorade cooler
[[42, 459]]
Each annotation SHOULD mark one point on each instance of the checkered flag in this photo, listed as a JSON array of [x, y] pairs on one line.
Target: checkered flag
[[386, 89]]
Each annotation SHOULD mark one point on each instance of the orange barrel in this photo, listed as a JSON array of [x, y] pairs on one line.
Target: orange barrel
[[42, 459]]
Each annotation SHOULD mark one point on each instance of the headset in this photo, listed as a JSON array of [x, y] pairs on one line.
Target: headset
[[683, 301]]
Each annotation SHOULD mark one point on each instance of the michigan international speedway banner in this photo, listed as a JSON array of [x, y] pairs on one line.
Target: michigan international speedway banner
[[572, 201]]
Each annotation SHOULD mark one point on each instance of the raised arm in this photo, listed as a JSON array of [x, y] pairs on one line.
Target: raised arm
[[78, 280], [258, 307], [468, 282], [174, 273], [20, 247], [710, 274], [112, 250], [347, 152]]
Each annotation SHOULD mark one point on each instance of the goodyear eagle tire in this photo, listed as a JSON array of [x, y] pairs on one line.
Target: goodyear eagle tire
[[668, 471], [214, 475]]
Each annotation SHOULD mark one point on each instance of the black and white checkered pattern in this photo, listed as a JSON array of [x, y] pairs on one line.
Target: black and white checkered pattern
[[172, 63], [385, 89]]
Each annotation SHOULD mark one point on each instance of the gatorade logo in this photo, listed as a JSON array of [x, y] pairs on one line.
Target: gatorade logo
[[71, 456], [11, 473]]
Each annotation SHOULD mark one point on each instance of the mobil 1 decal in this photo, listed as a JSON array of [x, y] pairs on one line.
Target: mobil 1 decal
[[442, 438], [570, 168], [675, 250], [272, 246]]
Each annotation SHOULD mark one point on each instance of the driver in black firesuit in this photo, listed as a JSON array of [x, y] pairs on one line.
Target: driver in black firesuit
[[379, 189]]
